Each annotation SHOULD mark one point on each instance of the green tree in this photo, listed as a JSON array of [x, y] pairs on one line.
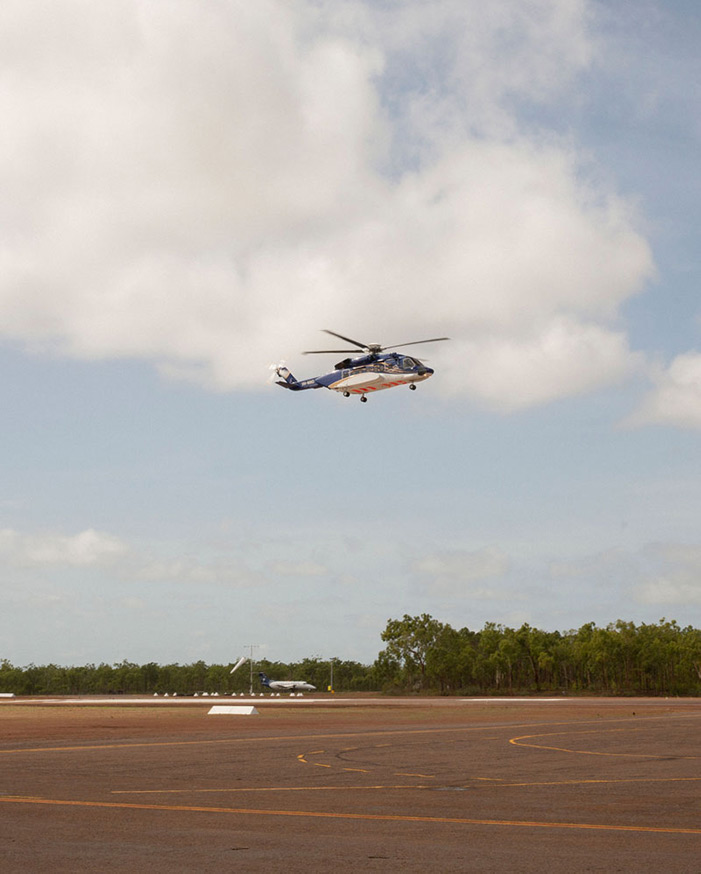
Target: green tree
[[410, 640], [450, 661]]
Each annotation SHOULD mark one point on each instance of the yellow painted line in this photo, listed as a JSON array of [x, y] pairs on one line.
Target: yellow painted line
[[519, 742], [320, 765], [315, 752], [360, 770], [463, 729], [399, 786], [604, 780], [368, 817], [402, 774], [488, 780], [236, 740]]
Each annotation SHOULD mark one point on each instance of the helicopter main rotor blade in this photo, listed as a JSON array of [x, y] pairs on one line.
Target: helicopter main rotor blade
[[347, 339], [416, 342], [330, 352], [369, 348]]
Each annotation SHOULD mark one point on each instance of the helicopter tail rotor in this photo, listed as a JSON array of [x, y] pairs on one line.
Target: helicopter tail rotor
[[280, 375], [275, 371]]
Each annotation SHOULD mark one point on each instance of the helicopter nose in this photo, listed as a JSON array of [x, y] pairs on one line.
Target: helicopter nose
[[425, 371]]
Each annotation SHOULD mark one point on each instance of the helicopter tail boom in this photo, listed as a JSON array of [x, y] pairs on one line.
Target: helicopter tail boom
[[288, 381]]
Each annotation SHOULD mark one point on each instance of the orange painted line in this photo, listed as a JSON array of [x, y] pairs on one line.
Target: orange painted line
[[370, 817]]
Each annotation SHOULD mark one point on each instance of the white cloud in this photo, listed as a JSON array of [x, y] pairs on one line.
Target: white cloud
[[652, 575], [225, 571], [298, 568], [565, 358], [676, 396], [680, 589], [459, 572], [609, 564], [673, 575], [87, 548], [97, 549], [204, 186], [135, 604], [474, 57]]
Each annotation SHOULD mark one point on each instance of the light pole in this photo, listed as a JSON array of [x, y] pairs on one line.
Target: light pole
[[251, 647]]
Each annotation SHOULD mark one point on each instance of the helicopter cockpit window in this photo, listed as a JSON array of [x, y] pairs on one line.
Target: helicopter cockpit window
[[408, 363]]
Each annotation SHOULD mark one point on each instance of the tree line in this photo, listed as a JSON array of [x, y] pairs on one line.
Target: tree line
[[423, 655], [128, 678], [620, 659]]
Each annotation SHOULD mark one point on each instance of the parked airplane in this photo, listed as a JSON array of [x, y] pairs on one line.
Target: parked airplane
[[285, 685]]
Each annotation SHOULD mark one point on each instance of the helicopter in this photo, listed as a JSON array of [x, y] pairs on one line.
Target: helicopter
[[374, 369]]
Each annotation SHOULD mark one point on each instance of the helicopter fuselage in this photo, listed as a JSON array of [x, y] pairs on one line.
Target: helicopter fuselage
[[364, 374]]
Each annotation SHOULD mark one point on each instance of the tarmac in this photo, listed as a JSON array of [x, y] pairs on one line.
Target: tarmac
[[350, 784]]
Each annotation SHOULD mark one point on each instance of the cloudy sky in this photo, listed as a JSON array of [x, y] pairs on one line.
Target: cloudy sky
[[191, 191]]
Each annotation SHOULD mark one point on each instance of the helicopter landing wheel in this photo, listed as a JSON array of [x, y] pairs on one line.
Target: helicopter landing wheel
[[413, 386], [346, 394], [363, 399]]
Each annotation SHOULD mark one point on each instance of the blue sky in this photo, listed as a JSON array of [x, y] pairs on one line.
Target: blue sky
[[192, 193]]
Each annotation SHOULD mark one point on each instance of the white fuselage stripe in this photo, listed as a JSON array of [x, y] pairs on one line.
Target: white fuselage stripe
[[374, 381]]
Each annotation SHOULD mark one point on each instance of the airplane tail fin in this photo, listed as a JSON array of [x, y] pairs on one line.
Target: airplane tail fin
[[264, 681]]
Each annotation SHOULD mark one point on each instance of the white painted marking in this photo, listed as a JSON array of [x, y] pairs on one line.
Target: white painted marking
[[232, 710], [513, 700]]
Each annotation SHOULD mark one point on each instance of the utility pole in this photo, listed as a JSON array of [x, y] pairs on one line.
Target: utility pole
[[251, 647]]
